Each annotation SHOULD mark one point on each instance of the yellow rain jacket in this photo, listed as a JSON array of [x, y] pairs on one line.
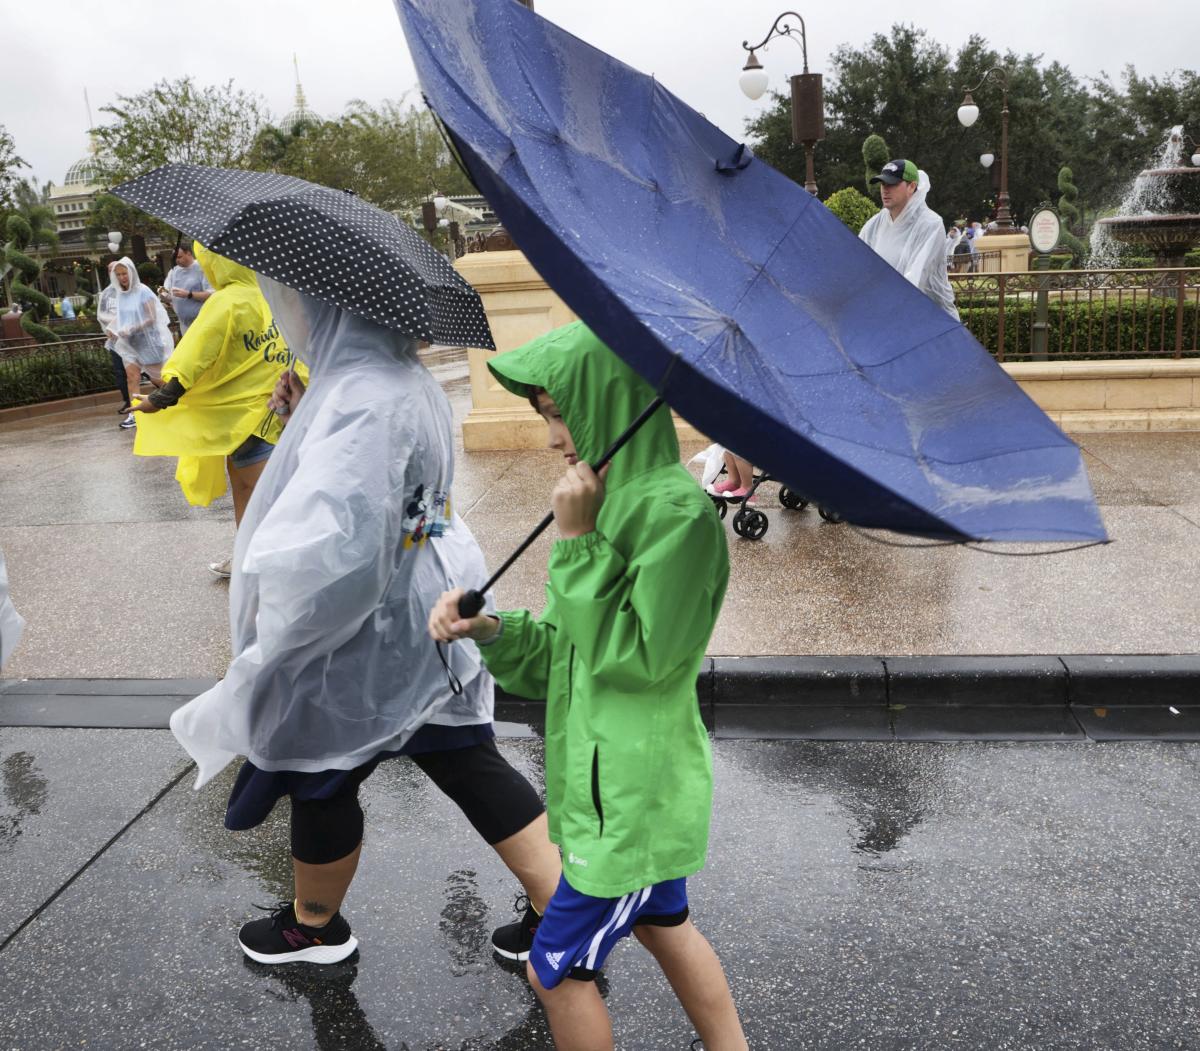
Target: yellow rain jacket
[[228, 363]]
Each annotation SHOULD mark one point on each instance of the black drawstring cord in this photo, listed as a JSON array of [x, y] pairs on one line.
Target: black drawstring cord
[[456, 687]]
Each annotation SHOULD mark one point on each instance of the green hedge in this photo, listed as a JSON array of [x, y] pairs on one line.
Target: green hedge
[[55, 373], [1115, 332]]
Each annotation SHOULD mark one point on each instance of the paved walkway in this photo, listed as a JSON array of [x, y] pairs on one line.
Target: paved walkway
[[1028, 897], [107, 562]]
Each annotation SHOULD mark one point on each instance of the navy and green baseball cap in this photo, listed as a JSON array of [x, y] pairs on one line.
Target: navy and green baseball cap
[[897, 171]]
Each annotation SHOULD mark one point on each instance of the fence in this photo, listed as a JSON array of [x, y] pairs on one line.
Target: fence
[[1094, 314], [30, 374]]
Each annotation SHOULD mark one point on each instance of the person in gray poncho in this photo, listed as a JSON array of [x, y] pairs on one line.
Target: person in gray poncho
[[348, 540]]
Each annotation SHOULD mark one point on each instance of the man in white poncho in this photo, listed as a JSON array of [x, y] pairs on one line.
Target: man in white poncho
[[909, 234], [347, 542]]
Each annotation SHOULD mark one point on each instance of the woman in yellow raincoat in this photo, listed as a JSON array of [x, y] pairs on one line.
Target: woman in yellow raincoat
[[212, 408]]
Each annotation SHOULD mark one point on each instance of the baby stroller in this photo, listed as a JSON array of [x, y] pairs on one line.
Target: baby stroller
[[750, 523]]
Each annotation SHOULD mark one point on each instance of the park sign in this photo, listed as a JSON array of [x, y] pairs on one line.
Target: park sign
[[1045, 228]]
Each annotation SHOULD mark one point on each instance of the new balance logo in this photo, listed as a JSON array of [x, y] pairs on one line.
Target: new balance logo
[[554, 959], [295, 938]]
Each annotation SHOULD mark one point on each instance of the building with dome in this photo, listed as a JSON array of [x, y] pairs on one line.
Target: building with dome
[[72, 200], [300, 114]]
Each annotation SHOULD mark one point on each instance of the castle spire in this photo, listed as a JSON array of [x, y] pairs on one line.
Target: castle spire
[[301, 103]]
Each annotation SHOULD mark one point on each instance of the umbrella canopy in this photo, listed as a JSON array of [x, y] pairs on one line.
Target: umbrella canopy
[[745, 303], [328, 243]]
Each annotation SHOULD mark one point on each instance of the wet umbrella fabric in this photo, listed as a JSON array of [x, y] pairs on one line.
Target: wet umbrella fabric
[[745, 303], [327, 243]]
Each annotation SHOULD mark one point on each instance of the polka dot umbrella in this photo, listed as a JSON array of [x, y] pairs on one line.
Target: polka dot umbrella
[[327, 243]]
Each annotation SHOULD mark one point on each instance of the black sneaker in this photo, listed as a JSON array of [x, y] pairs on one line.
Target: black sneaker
[[281, 938], [514, 940]]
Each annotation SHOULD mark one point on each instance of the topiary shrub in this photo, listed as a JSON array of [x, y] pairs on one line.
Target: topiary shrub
[[20, 233], [852, 207], [150, 274], [1069, 211], [875, 156]]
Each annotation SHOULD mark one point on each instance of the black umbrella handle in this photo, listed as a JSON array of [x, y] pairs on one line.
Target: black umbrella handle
[[472, 602]]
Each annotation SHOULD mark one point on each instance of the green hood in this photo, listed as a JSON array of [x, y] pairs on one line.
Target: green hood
[[599, 397]]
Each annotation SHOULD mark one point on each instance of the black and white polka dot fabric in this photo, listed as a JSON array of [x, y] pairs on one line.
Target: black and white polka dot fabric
[[328, 243]]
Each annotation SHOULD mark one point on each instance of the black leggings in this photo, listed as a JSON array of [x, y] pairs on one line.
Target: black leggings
[[496, 799]]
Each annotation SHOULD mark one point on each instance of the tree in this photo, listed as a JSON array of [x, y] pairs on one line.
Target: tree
[[111, 213], [391, 155], [177, 121], [9, 164], [906, 88]]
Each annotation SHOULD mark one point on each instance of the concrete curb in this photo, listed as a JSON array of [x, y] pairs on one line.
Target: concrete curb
[[1036, 697]]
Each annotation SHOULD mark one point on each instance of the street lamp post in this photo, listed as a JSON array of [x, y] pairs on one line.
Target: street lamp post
[[968, 114], [808, 103]]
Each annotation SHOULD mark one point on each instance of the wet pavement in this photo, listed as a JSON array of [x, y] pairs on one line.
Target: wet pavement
[[861, 895], [108, 563]]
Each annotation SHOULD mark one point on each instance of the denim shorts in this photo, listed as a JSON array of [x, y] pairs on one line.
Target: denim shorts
[[253, 450]]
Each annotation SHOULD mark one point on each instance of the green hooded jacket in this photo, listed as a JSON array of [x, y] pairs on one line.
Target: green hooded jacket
[[618, 648]]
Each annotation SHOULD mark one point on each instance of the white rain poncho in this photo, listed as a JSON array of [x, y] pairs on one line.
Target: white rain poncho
[[106, 310], [142, 326], [915, 244], [11, 623], [347, 543]]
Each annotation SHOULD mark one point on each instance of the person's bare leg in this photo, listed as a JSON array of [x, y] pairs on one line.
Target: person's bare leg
[[578, 1018], [133, 378], [241, 483], [745, 471], [731, 469], [155, 374], [534, 860], [320, 889], [695, 974]]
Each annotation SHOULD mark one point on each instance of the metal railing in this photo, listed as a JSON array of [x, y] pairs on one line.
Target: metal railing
[[1093, 314], [31, 374]]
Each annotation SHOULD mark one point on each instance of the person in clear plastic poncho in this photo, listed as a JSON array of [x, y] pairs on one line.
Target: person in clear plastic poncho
[[136, 325], [348, 539], [909, 234]]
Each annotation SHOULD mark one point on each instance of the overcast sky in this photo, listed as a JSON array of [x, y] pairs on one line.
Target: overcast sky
[[355, 49]]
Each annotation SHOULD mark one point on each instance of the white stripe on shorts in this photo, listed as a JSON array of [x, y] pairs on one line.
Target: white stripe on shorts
[[590, 960]]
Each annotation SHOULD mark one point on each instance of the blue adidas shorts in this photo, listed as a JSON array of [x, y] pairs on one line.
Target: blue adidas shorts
[[578, 931]]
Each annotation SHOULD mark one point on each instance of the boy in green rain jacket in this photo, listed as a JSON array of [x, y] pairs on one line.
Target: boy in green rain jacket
[[635, 585]]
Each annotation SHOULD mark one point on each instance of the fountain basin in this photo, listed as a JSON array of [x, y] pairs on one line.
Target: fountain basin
[[1173, 226]]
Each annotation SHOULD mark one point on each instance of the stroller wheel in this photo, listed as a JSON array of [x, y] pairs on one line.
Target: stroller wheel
[[792, 500], [832, 517], [720, 505], [750, 524]]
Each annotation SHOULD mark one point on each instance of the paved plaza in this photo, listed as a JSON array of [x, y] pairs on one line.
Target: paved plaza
[[972, 894], [108, 563]]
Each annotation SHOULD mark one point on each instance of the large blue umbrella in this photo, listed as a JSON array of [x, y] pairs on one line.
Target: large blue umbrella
[[747, 305]]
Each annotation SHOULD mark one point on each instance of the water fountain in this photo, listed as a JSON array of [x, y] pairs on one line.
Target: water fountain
[[1161, 212]]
